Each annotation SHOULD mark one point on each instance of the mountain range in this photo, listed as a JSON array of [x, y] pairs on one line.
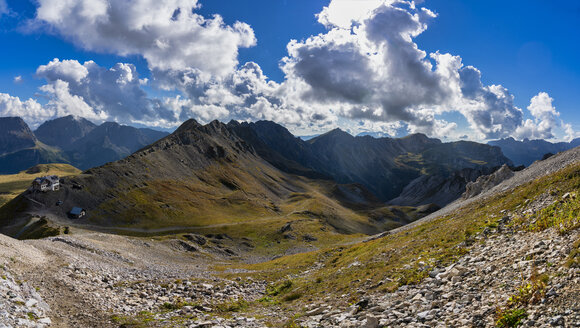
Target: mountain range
[[385, 166], [199, 176], [70, 140], [221, 174], [527, 151]]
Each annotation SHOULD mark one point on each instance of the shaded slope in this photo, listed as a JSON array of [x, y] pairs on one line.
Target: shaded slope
[[63, 131], [109, 142], [199, 176], [279, 147]]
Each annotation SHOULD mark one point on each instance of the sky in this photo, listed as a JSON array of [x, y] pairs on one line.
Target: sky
[[474, 70]]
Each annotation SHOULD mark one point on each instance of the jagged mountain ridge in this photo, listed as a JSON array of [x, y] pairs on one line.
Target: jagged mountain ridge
[[385, 166], [527, 151], [201, 175]]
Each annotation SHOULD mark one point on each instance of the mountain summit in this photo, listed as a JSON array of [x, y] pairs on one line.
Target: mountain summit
[[15, 135], [64, 131]]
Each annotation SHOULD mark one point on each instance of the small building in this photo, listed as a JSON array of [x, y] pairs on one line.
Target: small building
[[47, 183], [77, 212]]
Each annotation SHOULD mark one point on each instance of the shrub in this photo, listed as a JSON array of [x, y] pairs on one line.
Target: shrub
[[233, 305], [292, 297], [511, 318], [279, 289]]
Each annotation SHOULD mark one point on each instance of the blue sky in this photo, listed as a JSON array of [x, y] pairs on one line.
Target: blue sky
[[528, 47]]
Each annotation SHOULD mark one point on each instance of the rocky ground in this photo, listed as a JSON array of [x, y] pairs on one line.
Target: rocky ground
[[20, 304], [469, 292], [98, 280]]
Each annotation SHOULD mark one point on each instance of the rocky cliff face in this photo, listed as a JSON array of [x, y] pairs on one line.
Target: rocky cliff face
[[439, 189], [485, 183]]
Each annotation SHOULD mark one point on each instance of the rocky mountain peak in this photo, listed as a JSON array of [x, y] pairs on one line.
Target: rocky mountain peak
[[62, 132], [188, 125], [333, 136], [15, 135]]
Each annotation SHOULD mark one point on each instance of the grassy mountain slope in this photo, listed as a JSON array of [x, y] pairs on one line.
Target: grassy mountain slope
[[409, 254], [383, 165], [202, 179], [12, 185]]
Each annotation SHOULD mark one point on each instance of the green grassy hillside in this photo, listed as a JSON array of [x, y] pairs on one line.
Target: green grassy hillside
[[205, 179], [11, 185], [407, 256]]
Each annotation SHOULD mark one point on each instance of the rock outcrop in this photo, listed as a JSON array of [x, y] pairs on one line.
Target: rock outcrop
[[485, 183], [438, 189]]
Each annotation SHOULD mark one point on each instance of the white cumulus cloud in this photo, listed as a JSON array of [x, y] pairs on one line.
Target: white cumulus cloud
[[365, 72], [167, 33], [30, 110], [545, 120]]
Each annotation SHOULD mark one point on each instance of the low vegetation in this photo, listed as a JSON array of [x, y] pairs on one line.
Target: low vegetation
[[407, 257], [11, 185], [530, 292]]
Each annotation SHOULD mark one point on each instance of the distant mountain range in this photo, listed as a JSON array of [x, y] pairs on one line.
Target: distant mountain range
[[527, 151], [385, 166], [69, 139]]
